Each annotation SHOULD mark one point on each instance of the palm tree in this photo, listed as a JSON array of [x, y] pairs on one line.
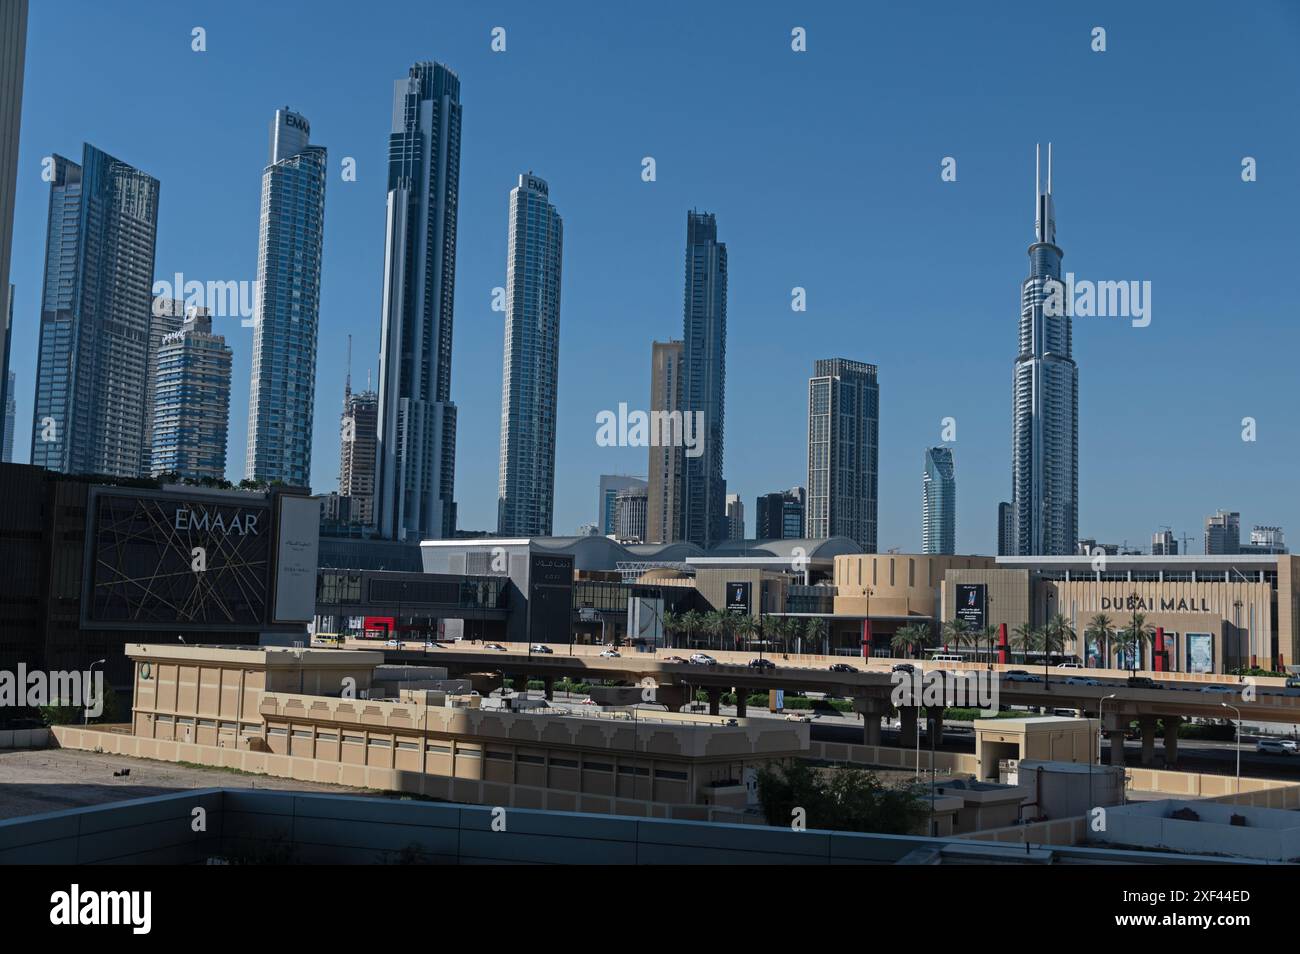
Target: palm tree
[[815, 629], [1101, 629], [1057, 634], [1131, 637], [672, 622], [1026, 639], [990, 635], [692, 621], [745, 627], [956, 632], [913, 637]]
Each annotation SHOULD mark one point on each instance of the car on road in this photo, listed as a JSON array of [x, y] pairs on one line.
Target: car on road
[[761, 663], [611, 654], [539, 648], [1142, 682], [903, 667], [673, 659], [801, 717], [1070, 665], [496, 647], [394, 644], [845, 667], [702, 659], [1081, 681], [1227, 689], [1277, 746], [1021, 675]]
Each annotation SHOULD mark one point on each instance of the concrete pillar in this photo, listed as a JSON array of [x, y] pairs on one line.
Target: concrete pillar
[[715, 700], [934, 726], [907, 726], [1116, 737], [871, 709], [674, 697], [1148, 725], [741, 702], [1171, 739], [548, 689]]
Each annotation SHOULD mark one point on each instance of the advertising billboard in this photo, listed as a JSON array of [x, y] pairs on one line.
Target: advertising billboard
[[162, 560], [297, 545], [738, 597], [1200, 652], [972, 598]]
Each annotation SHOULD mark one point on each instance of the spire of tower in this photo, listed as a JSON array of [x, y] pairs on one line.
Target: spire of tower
[[1044, 209]]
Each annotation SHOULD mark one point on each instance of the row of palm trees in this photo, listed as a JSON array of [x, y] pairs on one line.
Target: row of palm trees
[[739, 631], [1045, 640]]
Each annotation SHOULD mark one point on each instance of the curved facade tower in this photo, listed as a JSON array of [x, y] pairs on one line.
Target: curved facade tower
[[415, 461], [1045, 427]]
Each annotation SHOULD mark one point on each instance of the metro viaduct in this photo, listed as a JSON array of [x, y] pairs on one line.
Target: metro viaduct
[[870, 692]]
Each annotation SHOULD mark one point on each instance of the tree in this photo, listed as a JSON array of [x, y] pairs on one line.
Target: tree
[[1026, 639], [672, 624], [692, 622], [956, 633], [745, 627], [1057, 634], [815, 630], [990, 635], [1101, 629], [1129, 640], [837, 800], [912, 637]]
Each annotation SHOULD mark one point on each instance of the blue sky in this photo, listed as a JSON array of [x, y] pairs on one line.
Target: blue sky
[[824, 171]]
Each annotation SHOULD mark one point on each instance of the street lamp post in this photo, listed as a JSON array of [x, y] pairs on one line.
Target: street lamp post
[[85, 709], [1102, 722], [1238, 745]]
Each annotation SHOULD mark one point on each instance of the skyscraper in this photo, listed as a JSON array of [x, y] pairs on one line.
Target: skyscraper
[[357, 452], [664, 501], [13, 50], [1045, 412], [735, 517], [416, 445], [629, 515], [530, 377], [704, 380], [843, 451], [1223, 532], [1163, 543], [291, 229], [167, 318], [780, 515], [1006, 530], [610, 487], [191, 404], [938, 502], [11, 414], [96, 311]]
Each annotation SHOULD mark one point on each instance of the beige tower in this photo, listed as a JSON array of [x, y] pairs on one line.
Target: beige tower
[[663, 503]]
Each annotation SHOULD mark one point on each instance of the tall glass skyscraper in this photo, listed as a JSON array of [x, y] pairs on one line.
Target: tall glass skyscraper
[[191, 406], [96, 310], [704, 380], [13, 51], [938, 502], [282, 392], [1045, 413], [843, 451], [416, 457], [530, 377]]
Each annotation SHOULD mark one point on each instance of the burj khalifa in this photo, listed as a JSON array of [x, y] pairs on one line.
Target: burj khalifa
[[1045, 399]]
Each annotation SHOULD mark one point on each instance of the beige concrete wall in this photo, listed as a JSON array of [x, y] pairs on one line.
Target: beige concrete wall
[[895, 584]]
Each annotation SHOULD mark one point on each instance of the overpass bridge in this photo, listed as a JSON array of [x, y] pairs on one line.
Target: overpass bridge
[[1103, 694]]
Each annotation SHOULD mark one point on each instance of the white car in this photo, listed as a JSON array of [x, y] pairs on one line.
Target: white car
[[1019, 675], [1217, 689], [1081, 681], [702, 659], [1277, 746], [394, 643], [1070, 665], [610, 654]]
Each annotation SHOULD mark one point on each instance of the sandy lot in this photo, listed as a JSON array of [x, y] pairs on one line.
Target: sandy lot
[[33, 781]]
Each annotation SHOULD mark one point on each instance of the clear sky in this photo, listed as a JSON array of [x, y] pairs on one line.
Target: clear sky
[[823, 168]]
